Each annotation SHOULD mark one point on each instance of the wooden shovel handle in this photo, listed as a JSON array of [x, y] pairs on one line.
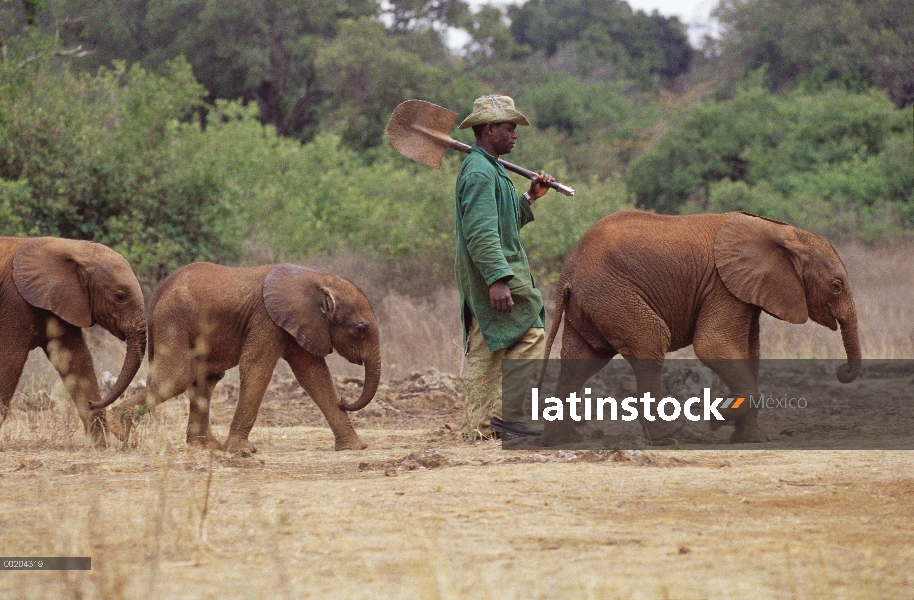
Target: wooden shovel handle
[[562, 189]]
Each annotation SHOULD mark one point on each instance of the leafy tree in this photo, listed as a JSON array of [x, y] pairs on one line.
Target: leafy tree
[[670, 36], [410, 15], [262, 51], [608, 38], [579, 109], [492, 40], [364, 92], [14, 15], [855, 42]]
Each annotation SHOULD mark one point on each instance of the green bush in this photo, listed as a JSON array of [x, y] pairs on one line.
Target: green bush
[[581, 110], [121, 157], [323, 198], [836, 161], [112, 157]]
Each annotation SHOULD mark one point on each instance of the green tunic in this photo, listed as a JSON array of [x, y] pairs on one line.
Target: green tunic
[[490, 214]]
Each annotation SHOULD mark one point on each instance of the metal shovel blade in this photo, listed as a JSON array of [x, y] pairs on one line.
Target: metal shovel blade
[[420, 130]]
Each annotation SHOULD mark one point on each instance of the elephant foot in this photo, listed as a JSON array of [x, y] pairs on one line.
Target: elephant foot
[[749, 435], [207, 442], [748, 431], [658, 430], [350, 444], [120, 428], [556, 434], [101, 440], [102, 433], [236, 444]]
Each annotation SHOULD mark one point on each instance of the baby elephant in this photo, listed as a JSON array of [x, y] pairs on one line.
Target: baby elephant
[[206, 319], [52, 288]]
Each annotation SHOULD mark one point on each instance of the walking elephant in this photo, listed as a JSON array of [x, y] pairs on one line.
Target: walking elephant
[[50, 288], [206, 318], [642, 285]]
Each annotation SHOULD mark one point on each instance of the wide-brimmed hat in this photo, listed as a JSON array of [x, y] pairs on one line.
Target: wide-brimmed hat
[[494, 109]]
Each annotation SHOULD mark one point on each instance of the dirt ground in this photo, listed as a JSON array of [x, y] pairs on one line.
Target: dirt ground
[[421, 514]]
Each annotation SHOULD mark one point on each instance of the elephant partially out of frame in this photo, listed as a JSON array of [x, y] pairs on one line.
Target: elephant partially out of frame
[[206, 318], [642, 285], [50, 288]]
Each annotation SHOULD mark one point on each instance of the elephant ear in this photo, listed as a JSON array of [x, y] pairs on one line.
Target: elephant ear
[[754, 258], [297, 302], [49, 274]]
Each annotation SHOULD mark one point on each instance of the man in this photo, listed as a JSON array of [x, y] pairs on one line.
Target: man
[[502, 311]]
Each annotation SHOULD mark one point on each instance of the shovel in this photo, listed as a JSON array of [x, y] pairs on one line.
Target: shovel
[[422, 131]]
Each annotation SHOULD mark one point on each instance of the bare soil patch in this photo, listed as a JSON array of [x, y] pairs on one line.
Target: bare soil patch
[[422, 514], [420, 400]]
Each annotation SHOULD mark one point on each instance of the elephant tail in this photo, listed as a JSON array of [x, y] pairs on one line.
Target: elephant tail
[[561, 296]]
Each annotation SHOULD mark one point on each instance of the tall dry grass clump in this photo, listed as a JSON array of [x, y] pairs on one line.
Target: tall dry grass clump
[[138, 514], [422, 334]]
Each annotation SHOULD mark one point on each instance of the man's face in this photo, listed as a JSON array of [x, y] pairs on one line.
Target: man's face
[[502, 136]]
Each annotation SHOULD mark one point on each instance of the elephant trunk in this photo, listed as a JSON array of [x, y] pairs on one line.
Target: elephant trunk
[[851, 337], [372, 379], [136, 349]]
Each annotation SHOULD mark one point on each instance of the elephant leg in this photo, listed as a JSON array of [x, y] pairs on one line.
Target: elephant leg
[[580, 362], [647, 374], [730, 347], [11, 365], [643, 338], [199, 431], [70, 356], [255, 370], [741, 376], [755, 343], [747, 427], [314, 376], [167, 378]]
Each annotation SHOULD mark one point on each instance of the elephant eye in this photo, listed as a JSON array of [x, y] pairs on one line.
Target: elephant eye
[[120, 297], [360, 329], [836, 287]]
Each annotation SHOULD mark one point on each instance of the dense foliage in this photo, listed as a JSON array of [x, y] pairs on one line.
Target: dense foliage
[[248, 131], [110, 157], [835, 161], [858, 43], [604, 37]]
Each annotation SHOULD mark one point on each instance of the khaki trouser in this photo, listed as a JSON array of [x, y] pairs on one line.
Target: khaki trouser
[[481, 378]]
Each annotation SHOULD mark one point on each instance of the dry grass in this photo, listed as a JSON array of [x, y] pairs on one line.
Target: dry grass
[[298, 520]]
